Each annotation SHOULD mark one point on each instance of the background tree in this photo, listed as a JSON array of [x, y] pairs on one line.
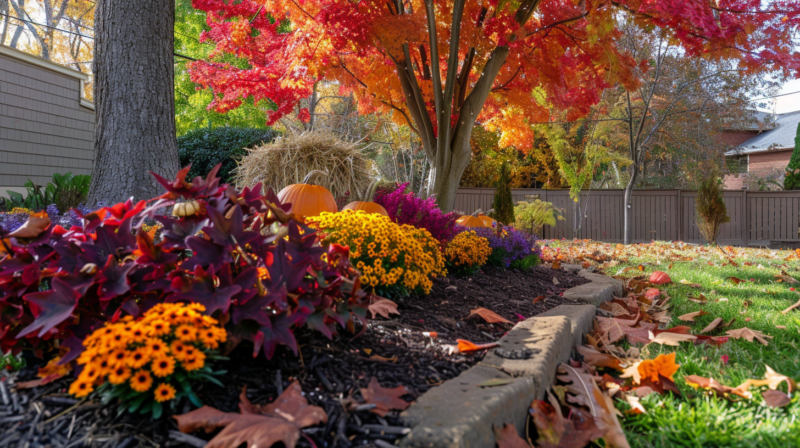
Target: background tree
[[441, 66], [134, 99], [792, 180], [678, 108], [710, 207]]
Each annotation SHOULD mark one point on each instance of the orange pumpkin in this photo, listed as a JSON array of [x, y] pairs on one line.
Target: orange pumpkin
[[473, 220], [367, 205], [308, 199], [487, 220]]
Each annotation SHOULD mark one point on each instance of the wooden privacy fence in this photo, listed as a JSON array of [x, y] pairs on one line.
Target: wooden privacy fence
[[758, 218]]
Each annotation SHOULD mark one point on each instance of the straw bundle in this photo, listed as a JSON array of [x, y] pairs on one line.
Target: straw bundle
[[288, 159]]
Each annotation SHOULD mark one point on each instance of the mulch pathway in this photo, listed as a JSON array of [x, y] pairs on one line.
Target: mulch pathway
[[396, 351]]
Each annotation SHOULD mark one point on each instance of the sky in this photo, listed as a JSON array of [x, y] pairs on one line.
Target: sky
[[788, 103]]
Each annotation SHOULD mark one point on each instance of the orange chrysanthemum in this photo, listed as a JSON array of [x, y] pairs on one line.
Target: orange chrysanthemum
[[157, 347], [163, 366], [186, 333], [159, 328], [81, 388], [193, 362], [164, 392], [141, 381], [178, 349], [118, 357], [119, 375], [139, 357]]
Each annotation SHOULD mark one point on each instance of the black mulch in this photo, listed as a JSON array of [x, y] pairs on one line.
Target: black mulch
[[397, 351]]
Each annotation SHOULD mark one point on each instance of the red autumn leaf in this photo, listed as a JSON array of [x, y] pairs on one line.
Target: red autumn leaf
[[556, 431], [736, 280], [489, 316], [775, 398], [598, 359], [383, 307], [652, 294], [385, 399], [264, 426], [39, 382], [660, 278], [33, 227], [50, 307], [465, 346]]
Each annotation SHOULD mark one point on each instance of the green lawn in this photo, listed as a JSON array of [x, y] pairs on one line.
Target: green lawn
[[698, 419]]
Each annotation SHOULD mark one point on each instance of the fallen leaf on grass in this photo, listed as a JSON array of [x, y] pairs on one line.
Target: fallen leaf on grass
[[714, 386], [772, 379], [613, 329], [783, 276], [613, 434], [385, 399], [691, 316], [384, 307], [701, 299], [663, 365], [636, 406], [713, 325], [597, 359], [735, 280], [660, 278], [746, 333], [713, 340], [775, 398], [489, 316], [282, 421], [507, 437], [555, 431], [465, 346], [614, 308], [669, 338]]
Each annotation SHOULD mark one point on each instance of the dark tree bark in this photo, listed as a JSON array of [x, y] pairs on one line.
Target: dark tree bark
[[134, 99]]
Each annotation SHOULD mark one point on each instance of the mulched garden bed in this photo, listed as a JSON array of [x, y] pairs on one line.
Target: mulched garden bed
[[396, 351]]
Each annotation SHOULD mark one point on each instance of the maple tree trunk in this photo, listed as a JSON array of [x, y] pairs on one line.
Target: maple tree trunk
[[134, 100], [627, 215]]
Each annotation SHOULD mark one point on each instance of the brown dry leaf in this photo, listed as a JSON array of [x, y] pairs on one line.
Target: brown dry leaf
[[613, 434], [775, 398], [507, 437], [643, 391], [382, 306], [556, 265], [290, 405], [786, 278], [772, 379], [715, 386], [613, 329], [538, 299], [746, 333], [33, 227], [614, 308], [384, 398], [713, 325], [555, 431], [597, 359], [555, 281], [701, 299], [690, 316], [381, 358], [580, 384], [282, 421], [489, 316], [735, 280], [669, 338]]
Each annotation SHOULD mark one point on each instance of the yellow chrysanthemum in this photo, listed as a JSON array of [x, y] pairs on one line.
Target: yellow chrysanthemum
[[163, 366], [141, 381], [468, 249], [164, 392]]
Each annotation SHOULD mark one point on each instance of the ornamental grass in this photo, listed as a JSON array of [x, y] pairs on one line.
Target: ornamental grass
[[151, 360], [466, 253], [394, 259]]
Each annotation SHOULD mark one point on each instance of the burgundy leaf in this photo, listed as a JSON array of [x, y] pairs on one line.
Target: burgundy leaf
[[50, 307]]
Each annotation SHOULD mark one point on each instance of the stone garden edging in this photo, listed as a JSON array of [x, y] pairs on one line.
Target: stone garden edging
[[460, 413]]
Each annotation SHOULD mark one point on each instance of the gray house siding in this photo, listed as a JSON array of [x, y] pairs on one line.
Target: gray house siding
[[45, 125]]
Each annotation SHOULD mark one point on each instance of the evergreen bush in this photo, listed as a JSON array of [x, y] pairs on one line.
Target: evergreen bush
[[710, 208], [503, 205], [205, 148], [792, 179]]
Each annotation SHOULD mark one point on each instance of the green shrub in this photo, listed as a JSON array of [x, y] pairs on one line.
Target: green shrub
[[710, 209], [503, 205], [205, 148], [65, 191], [530, 217], [792, 180], [525, 263]]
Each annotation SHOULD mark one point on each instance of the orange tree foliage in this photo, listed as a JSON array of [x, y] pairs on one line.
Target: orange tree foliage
[[502, 64]]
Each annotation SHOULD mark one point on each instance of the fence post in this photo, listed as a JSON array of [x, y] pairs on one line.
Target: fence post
[[745, 219], [680, 216]]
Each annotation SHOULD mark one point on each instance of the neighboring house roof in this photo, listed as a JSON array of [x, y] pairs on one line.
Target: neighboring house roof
[[781, 137]]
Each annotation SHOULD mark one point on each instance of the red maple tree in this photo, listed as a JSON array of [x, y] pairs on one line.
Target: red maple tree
[[442, 65]]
